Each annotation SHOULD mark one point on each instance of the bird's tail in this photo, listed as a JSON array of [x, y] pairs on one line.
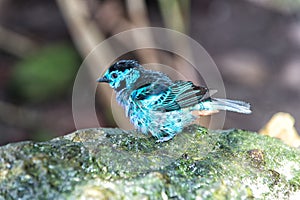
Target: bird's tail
[[230, 105]]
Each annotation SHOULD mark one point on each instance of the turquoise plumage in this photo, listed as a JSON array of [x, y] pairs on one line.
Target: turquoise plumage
[[155, 104]]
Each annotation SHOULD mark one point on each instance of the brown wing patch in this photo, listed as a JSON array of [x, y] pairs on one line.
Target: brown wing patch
[[204, 112]]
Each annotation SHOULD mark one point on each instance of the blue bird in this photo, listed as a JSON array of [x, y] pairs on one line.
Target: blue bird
[[155, 104]]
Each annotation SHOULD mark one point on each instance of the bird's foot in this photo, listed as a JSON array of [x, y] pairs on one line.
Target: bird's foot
[[164, 139]]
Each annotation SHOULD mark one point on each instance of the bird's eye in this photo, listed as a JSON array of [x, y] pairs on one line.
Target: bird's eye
[[114, 75]]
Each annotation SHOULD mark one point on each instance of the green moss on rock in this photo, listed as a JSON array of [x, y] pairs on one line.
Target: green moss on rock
[[111, 163]]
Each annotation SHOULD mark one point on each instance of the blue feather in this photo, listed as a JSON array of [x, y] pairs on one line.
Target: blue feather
[[157, 105]]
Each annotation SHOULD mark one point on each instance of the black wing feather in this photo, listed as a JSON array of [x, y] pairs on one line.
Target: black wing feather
[[181, 94]]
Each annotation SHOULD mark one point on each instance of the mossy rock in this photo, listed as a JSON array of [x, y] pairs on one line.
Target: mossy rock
[[114, 164]]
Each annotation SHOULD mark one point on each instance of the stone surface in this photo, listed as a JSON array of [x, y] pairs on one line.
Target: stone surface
[[113, 164], [281, 126]]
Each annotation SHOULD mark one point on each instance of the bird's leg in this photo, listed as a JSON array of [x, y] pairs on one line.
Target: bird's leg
[[166, 136], [164, 139]]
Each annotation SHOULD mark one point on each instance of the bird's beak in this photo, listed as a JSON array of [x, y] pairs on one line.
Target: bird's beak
[[103, 80]]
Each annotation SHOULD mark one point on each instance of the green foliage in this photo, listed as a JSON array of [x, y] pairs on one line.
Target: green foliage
[[45, 75]]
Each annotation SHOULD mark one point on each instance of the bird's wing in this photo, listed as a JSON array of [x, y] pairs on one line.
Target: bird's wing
[[180, 94]]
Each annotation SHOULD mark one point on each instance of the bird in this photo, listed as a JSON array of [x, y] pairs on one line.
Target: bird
[[157, 105]]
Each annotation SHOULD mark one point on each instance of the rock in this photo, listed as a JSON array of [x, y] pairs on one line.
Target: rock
[[114, 164], [281, 126]]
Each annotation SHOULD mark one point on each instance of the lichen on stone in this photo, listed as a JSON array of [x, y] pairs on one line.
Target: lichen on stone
[[116, 164]]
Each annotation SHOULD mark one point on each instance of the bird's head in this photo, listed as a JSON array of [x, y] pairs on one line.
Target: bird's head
[[118, 73]]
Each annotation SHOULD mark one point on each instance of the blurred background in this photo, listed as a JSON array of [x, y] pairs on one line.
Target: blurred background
[[255, 44]]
